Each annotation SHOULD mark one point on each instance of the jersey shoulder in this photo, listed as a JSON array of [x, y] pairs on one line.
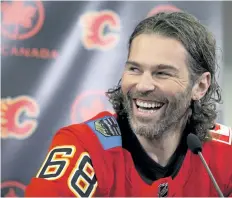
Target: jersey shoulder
[[221, 133], [217, 153], [76, 157], [102, 129], [219, 145]]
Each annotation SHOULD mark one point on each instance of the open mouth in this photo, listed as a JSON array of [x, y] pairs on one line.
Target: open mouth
[[147, 106]]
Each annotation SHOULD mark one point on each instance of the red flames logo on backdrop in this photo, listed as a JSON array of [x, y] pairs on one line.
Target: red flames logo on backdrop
[[12, 189], [22, 20], [100, 29], [18, 117], [163, 8], [88, 104]]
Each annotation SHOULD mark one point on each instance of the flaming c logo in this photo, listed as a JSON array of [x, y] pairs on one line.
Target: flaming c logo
[[12, 189], [21, 19], [100, 29], [18, 117], [88, 104], [163, 8]]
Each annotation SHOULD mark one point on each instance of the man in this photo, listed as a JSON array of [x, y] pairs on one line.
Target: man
[[168, 90]]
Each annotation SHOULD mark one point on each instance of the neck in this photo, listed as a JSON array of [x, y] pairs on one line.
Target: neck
[[162, 149]]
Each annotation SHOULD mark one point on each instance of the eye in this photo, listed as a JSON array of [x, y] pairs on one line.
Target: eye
[[163, 73], [134, 69]]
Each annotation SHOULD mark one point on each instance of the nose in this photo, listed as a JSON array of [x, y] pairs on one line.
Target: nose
[[146, 83]]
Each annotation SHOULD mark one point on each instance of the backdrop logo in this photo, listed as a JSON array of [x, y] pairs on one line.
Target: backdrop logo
[[100, 29], [21, 19], [12, 189], [163, 8], [88, 104], [18, 117]]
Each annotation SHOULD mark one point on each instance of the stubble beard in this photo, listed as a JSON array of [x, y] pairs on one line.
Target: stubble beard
[[175, 111]]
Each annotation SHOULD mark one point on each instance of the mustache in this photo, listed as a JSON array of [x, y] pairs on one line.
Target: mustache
[[147, 95]]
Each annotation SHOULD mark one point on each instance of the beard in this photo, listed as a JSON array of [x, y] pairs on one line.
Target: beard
[[173, 112]]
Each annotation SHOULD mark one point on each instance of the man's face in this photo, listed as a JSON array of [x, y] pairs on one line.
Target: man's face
[[156, 85]]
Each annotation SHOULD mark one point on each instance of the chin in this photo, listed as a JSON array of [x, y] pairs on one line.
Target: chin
[[144, 129], [150, 130]]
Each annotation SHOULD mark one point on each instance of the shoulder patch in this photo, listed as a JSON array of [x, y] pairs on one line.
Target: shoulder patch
[[107, 127], [107, 131], [222, 133]]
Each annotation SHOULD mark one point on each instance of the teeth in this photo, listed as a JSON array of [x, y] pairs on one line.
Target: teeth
[[146, 111], [148, 104]]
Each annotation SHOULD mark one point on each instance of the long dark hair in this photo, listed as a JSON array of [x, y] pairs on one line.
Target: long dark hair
[[201, 47]]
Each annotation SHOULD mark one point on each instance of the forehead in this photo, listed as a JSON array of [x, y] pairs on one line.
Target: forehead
[[152, 49]]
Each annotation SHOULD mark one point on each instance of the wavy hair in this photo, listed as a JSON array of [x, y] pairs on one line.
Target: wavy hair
[[201, 47]]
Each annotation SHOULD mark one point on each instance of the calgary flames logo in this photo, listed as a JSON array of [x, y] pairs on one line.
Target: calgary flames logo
[[21, 19], [100, 29], [17, 117]]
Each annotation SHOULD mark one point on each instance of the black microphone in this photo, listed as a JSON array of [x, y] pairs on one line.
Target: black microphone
[[195, 146]]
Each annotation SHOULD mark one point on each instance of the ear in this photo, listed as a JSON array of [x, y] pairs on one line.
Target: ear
[[201, 86]]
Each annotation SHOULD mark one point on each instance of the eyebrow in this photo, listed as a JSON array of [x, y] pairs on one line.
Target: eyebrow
[[159, 66]]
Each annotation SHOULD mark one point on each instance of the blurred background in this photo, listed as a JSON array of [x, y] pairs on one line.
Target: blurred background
[[58, 59]]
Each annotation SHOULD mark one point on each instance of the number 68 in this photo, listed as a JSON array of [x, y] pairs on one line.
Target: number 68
[[81, 181]]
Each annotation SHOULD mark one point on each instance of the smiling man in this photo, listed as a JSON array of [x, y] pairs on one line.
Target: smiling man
[[168, 90]]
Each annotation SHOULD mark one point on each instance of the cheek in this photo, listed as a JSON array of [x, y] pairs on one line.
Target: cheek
[[172, 89], [126, 84]]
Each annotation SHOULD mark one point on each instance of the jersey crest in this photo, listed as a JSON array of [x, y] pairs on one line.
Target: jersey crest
[[107, 131], [221, 133]]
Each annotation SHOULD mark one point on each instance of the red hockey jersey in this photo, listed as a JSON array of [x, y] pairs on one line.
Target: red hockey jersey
[[87, 160]]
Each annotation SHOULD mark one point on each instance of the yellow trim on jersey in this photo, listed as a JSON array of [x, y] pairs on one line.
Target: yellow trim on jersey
[[64, 158], [76, 168]]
